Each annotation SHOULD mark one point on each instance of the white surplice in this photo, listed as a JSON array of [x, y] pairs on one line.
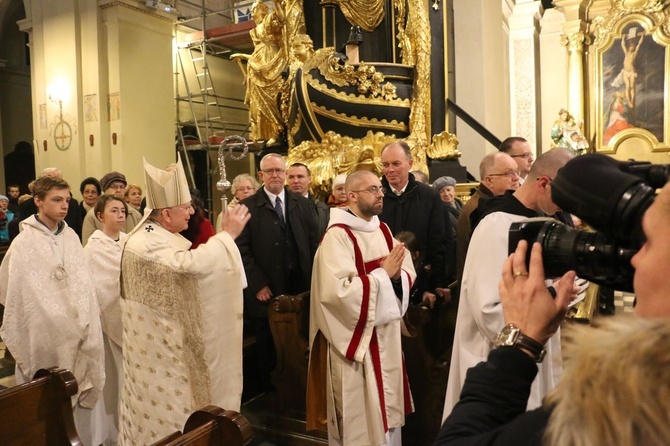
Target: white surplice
[[480, 317], [359, 318], [52, 317]]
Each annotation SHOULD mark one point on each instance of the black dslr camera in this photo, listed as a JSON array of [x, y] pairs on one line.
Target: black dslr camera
[[611, 196]]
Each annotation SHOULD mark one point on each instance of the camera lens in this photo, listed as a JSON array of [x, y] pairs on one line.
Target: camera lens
[[591, 254]]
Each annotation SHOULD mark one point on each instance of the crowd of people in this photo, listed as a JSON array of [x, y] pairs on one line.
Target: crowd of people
[[147, 302]]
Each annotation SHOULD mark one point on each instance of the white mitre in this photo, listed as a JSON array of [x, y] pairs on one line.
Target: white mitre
[[166, 188]]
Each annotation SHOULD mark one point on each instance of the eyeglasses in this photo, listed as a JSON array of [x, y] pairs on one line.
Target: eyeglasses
[[509, 174], [272, 172], [526, 155], [373, 190], [186, 208], [244, 188]]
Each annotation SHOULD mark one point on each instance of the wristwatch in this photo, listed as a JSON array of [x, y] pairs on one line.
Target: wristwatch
[[511, 336]]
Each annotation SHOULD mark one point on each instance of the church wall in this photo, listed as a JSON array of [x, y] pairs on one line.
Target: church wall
[[55, 74], [480, 76], [554, 74], [83, 51], [139, 52]]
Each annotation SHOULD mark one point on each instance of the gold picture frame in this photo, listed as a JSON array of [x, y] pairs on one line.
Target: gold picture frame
[[631, 59]]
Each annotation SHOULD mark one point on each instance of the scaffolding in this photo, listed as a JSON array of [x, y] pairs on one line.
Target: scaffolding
[[204, 116]]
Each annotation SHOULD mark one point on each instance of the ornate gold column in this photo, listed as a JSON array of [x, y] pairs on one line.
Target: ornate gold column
[[574, 39]]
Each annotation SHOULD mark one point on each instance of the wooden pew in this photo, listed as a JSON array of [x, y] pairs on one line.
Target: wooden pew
[[211, 426], [289, 323], [279, 417], [39, 412]]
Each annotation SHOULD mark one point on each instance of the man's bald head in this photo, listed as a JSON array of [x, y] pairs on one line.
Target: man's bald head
[[499, 172], [549, 162], [356, 179]]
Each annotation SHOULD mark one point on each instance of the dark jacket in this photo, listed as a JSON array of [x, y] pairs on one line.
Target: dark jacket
[[419, 210], [277, 254], [492, 408], [501, 203], [322, 215]]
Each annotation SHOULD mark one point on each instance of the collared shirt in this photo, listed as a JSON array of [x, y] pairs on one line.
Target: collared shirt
[[401, 191], [273, 198]]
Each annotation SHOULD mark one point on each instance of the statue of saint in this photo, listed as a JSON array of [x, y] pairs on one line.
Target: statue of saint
[[567, 133], [264, 72]]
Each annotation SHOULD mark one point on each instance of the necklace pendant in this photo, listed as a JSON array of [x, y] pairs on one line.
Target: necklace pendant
[[59, 273]]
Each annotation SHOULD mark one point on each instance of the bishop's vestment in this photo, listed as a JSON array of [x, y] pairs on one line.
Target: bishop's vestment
[[182, 330]]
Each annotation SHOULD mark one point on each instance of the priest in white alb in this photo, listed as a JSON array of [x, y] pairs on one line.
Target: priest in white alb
[[357, 384], [182, 314]]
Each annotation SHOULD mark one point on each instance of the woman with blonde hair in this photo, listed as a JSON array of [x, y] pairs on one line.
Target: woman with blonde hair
[[244, 185], [133, 196]]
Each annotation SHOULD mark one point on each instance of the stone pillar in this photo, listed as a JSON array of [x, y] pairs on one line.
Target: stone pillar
[[521, 18], [138, 72], [574, 39], [82, 52], [553, 73], [480, 76]]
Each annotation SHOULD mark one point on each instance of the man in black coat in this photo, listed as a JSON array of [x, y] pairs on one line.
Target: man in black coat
[[277, 248], [298, 180], [415, 207]]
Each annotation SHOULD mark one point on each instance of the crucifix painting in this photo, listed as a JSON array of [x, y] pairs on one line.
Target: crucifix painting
[[633, 84]]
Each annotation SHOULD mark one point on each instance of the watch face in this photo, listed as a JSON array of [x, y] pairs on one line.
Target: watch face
[[507, 336]]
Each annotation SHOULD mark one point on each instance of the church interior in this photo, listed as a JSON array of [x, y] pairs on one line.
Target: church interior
[[99, 85]]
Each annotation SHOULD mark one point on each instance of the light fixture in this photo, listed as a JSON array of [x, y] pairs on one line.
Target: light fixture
[[157, 4]]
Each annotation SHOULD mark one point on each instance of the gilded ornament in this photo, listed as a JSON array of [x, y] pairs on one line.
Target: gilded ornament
[[655, 10], [365, 77], [263, 71], [368, 14], [444, 147], [415, 46], [337, 154]]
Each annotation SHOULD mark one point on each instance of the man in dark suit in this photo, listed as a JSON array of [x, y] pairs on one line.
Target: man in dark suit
[[277, 247], [298, 180]]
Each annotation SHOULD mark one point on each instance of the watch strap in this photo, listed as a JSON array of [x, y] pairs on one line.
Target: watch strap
[[535, 348]]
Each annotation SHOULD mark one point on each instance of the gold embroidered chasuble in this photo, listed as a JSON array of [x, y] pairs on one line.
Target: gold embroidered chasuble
[[182, 330]]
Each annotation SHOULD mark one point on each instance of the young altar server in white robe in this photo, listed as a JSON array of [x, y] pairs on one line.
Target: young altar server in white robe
[[361, 280], [52, 318], [182, 314], [103, 257]]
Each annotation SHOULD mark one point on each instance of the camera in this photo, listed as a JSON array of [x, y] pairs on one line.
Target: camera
[[610, 196]]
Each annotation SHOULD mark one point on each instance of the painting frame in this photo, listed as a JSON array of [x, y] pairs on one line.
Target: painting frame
[[631, 56]]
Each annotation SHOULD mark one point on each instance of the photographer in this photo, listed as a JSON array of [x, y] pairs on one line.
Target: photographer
[[600, 401]]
